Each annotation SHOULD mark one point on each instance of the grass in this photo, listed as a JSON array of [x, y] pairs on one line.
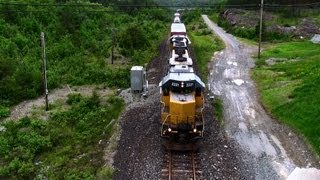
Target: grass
[[204, 44], [218, 109], [287, 21], [247, 41], [214, 16], [290, 88], [67, 146], [292, 50]]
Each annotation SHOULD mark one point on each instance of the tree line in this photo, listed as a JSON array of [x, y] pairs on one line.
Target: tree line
[[281, 2], [78, 45]]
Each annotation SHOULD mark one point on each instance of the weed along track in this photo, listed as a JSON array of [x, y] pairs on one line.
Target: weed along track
[[181, 165]]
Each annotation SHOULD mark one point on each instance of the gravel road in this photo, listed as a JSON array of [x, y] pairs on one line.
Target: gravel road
[[268, 149]]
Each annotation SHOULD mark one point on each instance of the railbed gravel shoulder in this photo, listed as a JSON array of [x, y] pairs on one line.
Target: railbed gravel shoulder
[[219, 159], [139, 152]]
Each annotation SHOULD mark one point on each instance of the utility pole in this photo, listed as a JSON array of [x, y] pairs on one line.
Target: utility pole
[[260, 31], [44, 69]]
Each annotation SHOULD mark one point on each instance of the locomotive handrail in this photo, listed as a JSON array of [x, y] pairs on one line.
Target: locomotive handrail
[[164, 123], [163, 105], [202, 116]]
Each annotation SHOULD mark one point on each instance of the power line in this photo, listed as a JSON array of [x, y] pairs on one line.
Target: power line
[[293, 5], [146, 5], [47, 4], [44, 11], [125, 6], [102, 9]]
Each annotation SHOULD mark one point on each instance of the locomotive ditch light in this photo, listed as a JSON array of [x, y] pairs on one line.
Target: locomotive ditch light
[[169, 129], [194, 130]]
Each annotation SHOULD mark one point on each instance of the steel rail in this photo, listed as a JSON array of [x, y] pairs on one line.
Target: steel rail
[[179, 166], [170, 165], [193, 166]]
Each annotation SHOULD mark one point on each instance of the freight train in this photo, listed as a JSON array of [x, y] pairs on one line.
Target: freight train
[[182, 91]]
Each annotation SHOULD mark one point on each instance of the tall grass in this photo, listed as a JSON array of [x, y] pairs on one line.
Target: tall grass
[[204, 44], [67, 146], [218, 110], [290, 88]]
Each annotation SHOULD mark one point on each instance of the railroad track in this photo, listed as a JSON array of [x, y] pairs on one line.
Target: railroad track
[[181, 165]]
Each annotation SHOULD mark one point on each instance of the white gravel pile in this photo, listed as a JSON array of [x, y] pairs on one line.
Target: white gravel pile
[[304, 174]]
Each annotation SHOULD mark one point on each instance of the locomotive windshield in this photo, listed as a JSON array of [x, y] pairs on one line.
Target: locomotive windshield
[[182, 87]]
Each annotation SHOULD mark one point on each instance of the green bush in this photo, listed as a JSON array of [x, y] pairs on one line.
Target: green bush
[[78, 41], [74, 98], [245, 33], [4, 112], [133, 38], [105, 173], [21, 141], [252, 33], [290, 89], [190, 16], [68, 142]]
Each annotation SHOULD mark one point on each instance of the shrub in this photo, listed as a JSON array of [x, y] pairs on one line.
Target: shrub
[[4, 112], [73, 98], [67, 142], [133, 38]]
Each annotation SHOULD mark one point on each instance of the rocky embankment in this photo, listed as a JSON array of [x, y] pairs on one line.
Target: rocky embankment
[[306, 28]]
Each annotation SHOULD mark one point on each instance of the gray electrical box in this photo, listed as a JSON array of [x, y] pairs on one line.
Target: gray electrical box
[[138, 79]]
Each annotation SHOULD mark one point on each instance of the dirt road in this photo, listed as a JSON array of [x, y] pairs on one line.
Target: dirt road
[[270, 150]]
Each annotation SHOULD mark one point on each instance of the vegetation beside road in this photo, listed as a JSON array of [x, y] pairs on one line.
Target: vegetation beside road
[[204, 42], [79, 38], [204, 45], [69, 145], [290, 88], [78, 46], [218, 110]]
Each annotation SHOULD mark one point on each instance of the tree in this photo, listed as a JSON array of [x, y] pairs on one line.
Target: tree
[[133, 38]]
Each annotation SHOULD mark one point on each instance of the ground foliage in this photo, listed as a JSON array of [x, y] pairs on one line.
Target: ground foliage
[[282, 2], [67, 146], [204, 43], [251, 33], [290, 88], [78, 45]]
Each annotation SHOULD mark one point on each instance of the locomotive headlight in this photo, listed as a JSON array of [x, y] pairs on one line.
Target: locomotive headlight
[[194, 130], [169, 129], [182, 84]]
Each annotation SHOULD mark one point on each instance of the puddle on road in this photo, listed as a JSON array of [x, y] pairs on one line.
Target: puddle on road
[[250, 112], [243, 127], [238, 82], [256, 144], [232, 63]]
